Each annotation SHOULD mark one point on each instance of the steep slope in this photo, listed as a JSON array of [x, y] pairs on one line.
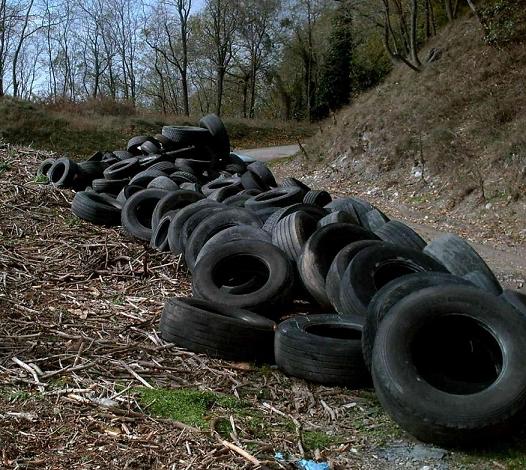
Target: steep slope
[[449, 138]]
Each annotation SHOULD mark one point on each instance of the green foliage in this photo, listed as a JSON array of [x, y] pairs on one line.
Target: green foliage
[[370, 63], [504, 22], [191, 407], [4, 166], [313, 440], [335, 82]]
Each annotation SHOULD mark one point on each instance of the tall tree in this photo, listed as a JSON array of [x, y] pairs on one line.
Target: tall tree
[[220, 21], [335, 82]]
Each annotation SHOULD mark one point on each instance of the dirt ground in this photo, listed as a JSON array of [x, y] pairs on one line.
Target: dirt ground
[[79, 342]]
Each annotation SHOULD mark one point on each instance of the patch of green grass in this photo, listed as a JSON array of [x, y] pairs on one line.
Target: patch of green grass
[[12, 395], [511, 458], [41, 179], [191, 407], [4, 166], [313, 440], [72, 221]]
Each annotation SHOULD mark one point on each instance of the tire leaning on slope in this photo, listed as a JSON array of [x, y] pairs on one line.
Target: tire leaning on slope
[[219, 331], [459, 257], [321, 348], [96, 208], [448, 366]]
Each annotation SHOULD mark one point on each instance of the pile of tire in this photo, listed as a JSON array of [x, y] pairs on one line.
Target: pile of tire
[[429, 324]]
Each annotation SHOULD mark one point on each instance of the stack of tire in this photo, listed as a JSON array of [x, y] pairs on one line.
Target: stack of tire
[[429, 323]]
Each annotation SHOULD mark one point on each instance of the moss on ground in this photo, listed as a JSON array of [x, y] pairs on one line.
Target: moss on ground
[[313, 440], [189, 406]]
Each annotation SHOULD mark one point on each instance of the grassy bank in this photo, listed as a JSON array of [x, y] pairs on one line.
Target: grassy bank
[[82, 129]]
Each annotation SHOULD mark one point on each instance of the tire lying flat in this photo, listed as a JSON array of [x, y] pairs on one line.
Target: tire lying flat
[[217, 330], [324, 349]]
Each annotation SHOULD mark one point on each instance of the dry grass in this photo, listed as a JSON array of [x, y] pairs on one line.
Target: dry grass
[[82, 128], [80, 349], [462, 118]]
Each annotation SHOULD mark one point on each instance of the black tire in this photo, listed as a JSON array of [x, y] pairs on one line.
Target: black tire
[[482, 281], [516, 299], [96, 208], [44, 167], [250, 180], [159, 240], [219, 183], [338, 217], [263, 173], [338, 267], [122, 154], [345, 205], [375, 219], [183, 177], [164, 166], [146, 162], [400, 234], [214, 224], [317, 198], [109, 186], [448, 366], [143, 178], [191, 187], [218, 331], [314, 211], [127, 192], [163, 182], [151, 146], [319, 252], [245, 259], [173, 201], [96, 157], [460, 258], [90, 170], [293, 182], [392, 293], [239, 199], [176, 227], [221, 194], [136, 216], [135, 143], [122, 169], [324, 349], [193, 222], [191, 165], [236, 233], [220, 141], [275, 198], [109, 158], [292, 232], [63, 172], [187, 135], [373, 268]]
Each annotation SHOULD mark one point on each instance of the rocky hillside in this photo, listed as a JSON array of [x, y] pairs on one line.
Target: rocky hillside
[[451, 138]]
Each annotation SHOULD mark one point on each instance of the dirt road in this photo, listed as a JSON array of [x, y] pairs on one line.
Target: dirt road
[[271, 153], [509, 263]]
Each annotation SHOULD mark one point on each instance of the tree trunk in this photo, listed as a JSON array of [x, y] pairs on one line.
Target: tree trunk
[[414, 18], [220, 88]]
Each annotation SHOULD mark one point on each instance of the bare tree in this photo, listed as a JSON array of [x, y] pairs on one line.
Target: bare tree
[[255, 30], [173, 16], [220, 21]]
